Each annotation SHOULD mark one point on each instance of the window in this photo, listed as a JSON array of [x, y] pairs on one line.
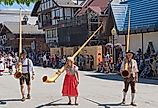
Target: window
[[48, 16], [53, 4], [54, 32], [44, 17], [46, 5], [67, 13], [93, 17], [49, 33], [58, 13]]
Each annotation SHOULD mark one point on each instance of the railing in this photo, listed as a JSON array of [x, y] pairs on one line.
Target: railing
[[79, 20], [47, 23]]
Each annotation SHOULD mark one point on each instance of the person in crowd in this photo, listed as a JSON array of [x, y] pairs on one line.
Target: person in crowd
[[16, 58], [119, 62], [153, 66], [2, 64], [111, 63], [9, 61], [82, 61], [57, 61], [53, 61], [107, 57], [91, 62], [71, 81], [44, 60], [132, 79], [101, 67]]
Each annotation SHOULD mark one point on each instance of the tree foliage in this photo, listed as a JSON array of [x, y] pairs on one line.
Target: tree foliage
[[11, 2]]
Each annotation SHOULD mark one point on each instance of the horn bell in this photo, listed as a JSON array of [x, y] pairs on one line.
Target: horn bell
[[18, 75], [125, 74]]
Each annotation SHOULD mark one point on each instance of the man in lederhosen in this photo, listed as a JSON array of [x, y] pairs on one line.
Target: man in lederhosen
[[27, 74], [133, 69]]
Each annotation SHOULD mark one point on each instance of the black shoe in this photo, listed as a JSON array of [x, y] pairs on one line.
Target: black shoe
[[28, 96], [133, 104], [123, 102], [23, 99], [76, 104], [69, 103]]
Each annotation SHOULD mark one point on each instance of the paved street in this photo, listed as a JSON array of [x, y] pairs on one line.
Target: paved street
[[96, 90]]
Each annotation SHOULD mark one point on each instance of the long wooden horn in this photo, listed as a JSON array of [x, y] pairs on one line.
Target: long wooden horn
[[128, 36], [18, 73], [125, 73], [60, 71]]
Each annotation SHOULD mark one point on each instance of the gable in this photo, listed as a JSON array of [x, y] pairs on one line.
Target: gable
[[100, 4], [48, 5]]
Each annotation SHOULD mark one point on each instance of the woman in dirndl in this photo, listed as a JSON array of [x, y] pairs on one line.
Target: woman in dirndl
[[71, 80]]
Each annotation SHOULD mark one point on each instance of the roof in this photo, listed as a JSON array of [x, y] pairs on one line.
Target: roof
[[61, 3], [35, 8], [144, 15], [119, 12], [26, 29], [14, 12], [13, 16], [96, 4], [95, 9], [64, 2]]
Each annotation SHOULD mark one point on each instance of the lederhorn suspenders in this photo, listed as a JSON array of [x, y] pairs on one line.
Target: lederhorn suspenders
[[28, 70]]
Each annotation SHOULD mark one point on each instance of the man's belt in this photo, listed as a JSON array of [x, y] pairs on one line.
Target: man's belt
[[25, 73]]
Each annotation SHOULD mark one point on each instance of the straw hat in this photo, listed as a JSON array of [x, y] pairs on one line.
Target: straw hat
[[130, 52]]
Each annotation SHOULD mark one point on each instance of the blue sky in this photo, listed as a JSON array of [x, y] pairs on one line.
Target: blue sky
[[16, 6]]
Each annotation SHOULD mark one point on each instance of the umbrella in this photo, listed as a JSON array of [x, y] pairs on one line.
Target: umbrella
[[109, 45], [118, 45]]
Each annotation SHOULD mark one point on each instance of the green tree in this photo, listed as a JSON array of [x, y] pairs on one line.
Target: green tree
[[11, 2]]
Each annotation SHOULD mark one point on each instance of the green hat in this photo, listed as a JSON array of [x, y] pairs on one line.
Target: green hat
[[131, 52], [24, 52]]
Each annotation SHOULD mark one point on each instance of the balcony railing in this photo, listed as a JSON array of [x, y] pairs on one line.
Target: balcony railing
[[79, 20], [47, 23]]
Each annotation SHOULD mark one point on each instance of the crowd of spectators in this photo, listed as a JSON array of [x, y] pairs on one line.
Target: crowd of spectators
[[57, 61], [147, 63]]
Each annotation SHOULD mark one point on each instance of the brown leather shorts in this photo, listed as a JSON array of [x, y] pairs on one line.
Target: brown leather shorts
[[25, 78]]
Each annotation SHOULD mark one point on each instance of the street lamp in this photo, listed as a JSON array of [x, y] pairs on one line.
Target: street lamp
[[113, 32], [25, 19]]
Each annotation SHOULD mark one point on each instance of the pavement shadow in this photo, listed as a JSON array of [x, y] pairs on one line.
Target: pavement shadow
[[117, 77], [10, 100], [2, 103], [52, 104], [104, 105]]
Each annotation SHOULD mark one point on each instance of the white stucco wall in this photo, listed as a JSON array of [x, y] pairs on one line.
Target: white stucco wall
[[136, 40]]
